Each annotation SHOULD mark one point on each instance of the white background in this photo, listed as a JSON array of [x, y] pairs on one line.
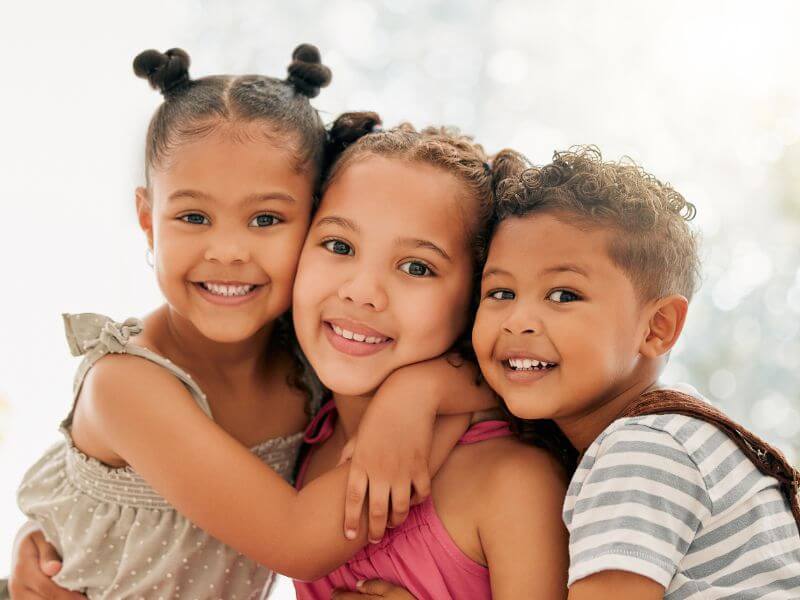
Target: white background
[[706, 95]]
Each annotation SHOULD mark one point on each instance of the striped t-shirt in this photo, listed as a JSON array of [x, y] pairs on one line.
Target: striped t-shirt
[[672, 498]]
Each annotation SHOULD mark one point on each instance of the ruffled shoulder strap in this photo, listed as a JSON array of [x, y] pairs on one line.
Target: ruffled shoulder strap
[[93, 336]]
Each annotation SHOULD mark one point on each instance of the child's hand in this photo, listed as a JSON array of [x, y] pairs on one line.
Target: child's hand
[[34, 563], [374, 588], [389, 456]]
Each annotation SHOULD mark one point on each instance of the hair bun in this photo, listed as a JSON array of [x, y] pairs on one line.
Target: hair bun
[[166, 71], [348, 128], [306, 72]]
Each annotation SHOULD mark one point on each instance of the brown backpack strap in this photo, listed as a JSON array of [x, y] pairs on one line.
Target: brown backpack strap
[[767, 459]]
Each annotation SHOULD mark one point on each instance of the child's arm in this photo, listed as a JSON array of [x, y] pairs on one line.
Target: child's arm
[[521, 531], [394, 437], [144, 415], [616, 585], [33, 563]]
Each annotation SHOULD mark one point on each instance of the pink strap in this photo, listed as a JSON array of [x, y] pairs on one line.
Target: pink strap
[[321, 426], [485, 430]]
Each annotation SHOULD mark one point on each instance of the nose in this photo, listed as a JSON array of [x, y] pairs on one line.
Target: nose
[[227, 247], [522, 321], [365, 289]]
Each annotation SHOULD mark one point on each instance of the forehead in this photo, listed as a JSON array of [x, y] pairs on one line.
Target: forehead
[[227, 159], [538, 241], [392, 194]]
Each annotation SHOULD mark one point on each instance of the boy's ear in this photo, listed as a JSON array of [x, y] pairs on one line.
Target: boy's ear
[[666, 319], [144, 212]]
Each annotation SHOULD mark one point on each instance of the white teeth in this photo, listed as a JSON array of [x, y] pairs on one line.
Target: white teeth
[[528, 364], [228, 290], [358, 337]]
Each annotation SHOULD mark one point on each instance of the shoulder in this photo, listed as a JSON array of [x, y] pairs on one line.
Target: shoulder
[[516, 471], [120, 385]]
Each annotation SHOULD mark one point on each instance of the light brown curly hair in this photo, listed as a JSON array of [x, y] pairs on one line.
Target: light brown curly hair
[[653, 243]]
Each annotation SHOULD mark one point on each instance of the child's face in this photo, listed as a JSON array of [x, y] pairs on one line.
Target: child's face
[[384, 276], [550, 293], [226, 219]]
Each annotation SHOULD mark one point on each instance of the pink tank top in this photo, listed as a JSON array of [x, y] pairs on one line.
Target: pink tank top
[[420, 555]]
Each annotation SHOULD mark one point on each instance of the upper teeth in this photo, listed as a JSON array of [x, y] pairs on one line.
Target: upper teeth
[[228, 290], [357, 336], [528, 363]]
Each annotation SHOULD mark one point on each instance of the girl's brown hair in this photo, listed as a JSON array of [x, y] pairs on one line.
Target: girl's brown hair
[[194, 108]]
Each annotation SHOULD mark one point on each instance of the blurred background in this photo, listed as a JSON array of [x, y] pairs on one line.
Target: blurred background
[[705, 95]]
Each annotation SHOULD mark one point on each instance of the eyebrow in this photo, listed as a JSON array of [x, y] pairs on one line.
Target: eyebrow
[[495, 271], [568, 267], [251, 199], [417, 243], [340, 221]]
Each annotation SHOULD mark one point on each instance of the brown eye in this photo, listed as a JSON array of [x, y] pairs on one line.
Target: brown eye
[[194, 219], [339, 247], [502, 295], [264, 220], [416, 268], [563, 296]]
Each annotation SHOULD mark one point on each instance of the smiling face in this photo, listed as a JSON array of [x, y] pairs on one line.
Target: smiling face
[[384, 277], [559, 325], [226, 219]]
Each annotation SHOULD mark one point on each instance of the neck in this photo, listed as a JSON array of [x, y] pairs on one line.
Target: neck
[[351, 409], [583, 428], [233, 359]]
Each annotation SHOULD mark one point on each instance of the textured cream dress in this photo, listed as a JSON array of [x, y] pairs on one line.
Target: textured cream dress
[[117, 536]]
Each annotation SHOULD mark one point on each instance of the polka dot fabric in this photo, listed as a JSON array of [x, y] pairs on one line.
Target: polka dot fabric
[[117, 536]]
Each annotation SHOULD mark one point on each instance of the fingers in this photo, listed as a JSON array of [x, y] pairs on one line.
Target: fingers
[[347, 451], [401, 497], [378, 510], [376, 587], [354, 501], [421, 487], [49, 560]]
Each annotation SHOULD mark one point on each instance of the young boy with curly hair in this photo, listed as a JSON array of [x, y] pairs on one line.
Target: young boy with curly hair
[[585, 291]]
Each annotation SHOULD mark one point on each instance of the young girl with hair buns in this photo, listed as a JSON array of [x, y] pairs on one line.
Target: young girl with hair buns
[[154, 476]]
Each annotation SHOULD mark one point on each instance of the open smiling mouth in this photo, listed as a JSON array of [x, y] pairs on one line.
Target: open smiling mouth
[[526, 370], [355, 343], [226, 292], [528, 364]]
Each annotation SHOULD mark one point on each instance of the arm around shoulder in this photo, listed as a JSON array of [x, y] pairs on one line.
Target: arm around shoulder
[[148, 418]]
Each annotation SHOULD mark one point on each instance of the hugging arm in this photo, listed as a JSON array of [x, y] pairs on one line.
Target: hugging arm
[[391, 456]]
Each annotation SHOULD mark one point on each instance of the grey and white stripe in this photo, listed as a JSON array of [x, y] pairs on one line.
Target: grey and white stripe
[[673, 499]]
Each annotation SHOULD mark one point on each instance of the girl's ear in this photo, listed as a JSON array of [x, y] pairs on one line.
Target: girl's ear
[[666, 320], [144, 212]]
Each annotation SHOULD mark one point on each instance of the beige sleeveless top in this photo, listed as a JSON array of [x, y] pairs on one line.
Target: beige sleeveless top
[[117, 536]]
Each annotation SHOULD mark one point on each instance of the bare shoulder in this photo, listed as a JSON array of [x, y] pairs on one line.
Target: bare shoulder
[[117, 390], [514, 469]]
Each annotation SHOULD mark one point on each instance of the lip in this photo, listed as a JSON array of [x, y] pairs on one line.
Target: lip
[[525, 376], [353, 347], [226, 300]]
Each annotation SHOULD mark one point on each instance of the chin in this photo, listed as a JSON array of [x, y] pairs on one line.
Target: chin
[[349, 383]]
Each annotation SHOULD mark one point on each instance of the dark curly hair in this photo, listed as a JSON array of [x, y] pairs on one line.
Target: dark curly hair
[[655, 246], [196, 107]]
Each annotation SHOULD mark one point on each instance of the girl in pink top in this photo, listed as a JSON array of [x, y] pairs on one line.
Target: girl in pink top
[[385, 280]]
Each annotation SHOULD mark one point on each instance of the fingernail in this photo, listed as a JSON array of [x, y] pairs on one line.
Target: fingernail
[[350, 534], [373, 541], [359, 583]]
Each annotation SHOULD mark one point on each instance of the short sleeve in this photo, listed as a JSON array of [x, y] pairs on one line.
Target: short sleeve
[[635, 505]]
